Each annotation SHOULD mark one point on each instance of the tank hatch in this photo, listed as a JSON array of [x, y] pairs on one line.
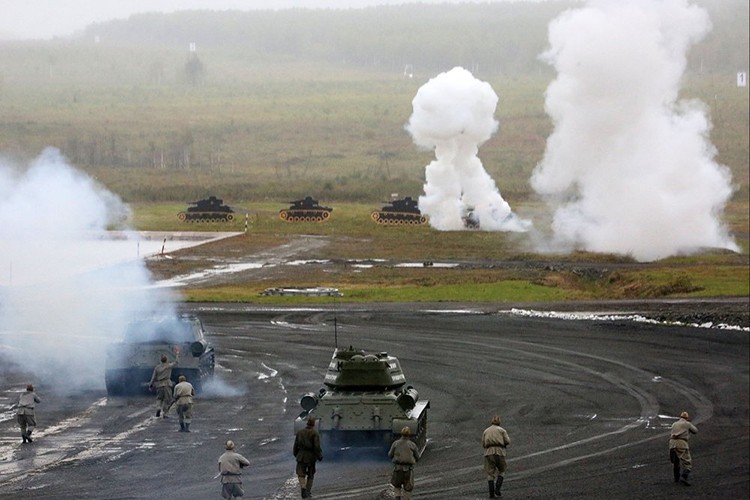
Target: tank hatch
[[356, 370]]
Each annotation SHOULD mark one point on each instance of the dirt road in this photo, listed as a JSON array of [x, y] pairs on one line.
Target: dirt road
[[587, 403]]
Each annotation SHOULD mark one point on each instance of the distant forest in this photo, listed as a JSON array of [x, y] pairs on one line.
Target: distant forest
[[307, 94], [496, 38]]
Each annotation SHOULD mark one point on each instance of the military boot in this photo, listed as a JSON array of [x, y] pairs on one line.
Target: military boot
[[305, 494], [28, 436], [683, 479], [187, 427], [23, 435], [182, 427], [498, 485], [491, 484]]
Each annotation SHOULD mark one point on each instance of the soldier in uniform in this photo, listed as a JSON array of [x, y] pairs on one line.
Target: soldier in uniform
[[494, 441], [404, 454], [679, 451], [25, 413], [183, 396], [161, 380], [230, 464], [307, 451]]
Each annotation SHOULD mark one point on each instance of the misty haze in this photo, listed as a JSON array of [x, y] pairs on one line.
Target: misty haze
[[455, 183]]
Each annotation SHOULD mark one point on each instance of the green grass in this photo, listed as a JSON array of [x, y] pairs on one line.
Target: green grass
[[295, 132], [505, 291], [337, 134], [510, 273]]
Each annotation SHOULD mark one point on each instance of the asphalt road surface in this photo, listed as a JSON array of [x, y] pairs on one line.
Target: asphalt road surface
[[587, 404]]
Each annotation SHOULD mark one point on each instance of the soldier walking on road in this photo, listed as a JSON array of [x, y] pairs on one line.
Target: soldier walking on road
[[161, 380], [183, 396], [404, 454], [25, 414], [679, 451], [494, 441], [307, 451], [230, 464]]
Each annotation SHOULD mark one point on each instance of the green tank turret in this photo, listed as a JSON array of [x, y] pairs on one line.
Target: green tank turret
[[365, 402]]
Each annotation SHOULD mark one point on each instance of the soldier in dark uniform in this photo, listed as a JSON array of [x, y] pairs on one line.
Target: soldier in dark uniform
[[307, 451]]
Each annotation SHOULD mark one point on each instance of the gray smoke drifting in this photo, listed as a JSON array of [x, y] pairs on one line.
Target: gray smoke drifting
[[454, 114], [629, 168], [58, 308]]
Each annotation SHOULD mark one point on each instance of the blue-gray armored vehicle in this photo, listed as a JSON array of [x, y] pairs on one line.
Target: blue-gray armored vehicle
[[130, 361]]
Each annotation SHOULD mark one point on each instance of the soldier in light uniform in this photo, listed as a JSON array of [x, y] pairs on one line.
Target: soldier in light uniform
[[230, 464], [404, 454], [161, 380], [494, 441], [25, 413], [183, 396], [679, 451]]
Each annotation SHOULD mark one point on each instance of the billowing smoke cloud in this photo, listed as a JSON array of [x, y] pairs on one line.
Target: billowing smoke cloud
[[454, 114], [58, 311], [629, 167]]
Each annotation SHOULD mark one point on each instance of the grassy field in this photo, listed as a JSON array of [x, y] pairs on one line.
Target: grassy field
[[492, 266], [290, 130], [336, 134]]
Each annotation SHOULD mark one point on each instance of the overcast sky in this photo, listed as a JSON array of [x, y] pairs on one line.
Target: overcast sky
[[44, 19]]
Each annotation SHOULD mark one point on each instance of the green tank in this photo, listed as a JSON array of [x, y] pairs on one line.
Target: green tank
[[130, 361], [365, 402]]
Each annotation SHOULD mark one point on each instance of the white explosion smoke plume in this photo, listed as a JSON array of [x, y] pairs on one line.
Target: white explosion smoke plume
[[57, 311], [454, 114], [629, 167]]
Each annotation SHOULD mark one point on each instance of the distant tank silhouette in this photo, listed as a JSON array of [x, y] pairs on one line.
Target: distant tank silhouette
[[211, 209], [470, 219], [305, 210], [404, 211]]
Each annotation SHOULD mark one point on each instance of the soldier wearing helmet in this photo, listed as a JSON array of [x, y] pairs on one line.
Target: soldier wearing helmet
[[404, 454]]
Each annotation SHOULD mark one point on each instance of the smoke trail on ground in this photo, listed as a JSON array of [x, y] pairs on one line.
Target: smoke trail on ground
[[629, 168], [453, 114], [58, 311]]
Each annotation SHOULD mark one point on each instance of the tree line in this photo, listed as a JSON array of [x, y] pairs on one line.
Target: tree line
[[494, 38]]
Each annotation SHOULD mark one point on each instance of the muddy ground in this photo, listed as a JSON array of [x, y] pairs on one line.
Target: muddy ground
[[587, 400], [588, 404]]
